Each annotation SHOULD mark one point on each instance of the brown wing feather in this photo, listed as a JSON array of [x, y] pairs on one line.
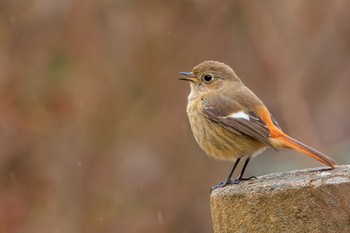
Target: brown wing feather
[[219, 109], [275, 121]]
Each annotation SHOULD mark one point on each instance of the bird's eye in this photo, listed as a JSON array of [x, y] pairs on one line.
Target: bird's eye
[[207, 78]]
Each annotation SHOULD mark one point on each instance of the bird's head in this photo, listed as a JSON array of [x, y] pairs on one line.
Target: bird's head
[[209, 76]]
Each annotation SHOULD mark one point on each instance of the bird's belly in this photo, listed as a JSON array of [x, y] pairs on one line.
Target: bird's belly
[[219, 142]]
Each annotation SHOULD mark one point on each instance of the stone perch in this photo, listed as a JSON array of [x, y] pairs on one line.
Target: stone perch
[[311, 200]]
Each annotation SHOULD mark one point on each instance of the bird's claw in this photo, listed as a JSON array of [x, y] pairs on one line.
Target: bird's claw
[[249, 178], [229, 182]]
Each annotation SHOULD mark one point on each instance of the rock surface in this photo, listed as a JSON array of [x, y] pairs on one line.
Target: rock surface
[[311, 200]]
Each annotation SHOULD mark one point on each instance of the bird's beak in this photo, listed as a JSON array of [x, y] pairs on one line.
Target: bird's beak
[[190, 77]]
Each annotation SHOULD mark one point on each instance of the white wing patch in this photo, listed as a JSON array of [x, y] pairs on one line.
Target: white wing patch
[[239, 115]]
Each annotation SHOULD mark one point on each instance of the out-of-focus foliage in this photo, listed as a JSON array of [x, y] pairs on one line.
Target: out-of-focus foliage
[[93, 130]]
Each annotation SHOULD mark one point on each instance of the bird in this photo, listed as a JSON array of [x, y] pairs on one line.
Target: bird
[[229, 122]]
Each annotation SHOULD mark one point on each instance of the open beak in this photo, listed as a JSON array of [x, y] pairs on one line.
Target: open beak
[[189, 76]]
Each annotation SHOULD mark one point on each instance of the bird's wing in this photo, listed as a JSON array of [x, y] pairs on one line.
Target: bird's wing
[[236, 118]]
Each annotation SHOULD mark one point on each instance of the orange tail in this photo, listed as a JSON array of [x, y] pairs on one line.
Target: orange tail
[[298, 146]]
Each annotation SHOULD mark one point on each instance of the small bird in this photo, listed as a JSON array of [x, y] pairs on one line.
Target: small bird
[[230, 122]]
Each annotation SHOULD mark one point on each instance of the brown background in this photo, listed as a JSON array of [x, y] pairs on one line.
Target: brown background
[[93, 130]]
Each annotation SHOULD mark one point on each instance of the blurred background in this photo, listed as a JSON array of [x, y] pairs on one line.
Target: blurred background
[[94, 135]]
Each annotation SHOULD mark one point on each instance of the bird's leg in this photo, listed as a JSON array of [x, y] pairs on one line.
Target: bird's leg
[[240, 177], [228, 180], [232, 170]]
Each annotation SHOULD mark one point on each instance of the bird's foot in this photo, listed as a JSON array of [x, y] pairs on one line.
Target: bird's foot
[[229, 182], [225, 183], [249, 178]]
